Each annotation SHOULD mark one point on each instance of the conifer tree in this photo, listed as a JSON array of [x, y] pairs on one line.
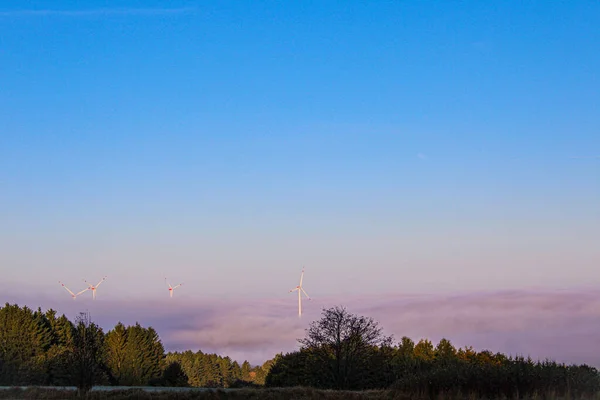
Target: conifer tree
[[58, 355], [236, 371], [25, 337], [174, 376], [115, 347], [225, 371], [140, 361], [246, 370], [195, 368]]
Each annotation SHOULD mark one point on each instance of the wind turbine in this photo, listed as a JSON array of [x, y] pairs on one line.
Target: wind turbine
[[300, 291], [73, 295], [171, 288], [93, 288]]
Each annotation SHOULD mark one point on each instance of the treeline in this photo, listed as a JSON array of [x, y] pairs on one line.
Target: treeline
[[213, 371], [340, 351], [345, 351], [41, 348]]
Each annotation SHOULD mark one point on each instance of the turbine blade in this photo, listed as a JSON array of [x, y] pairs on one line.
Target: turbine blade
[[66, 288], [303, 291], [83, 291], [103, 279], [301, 276], [177, 286], [293, 290]]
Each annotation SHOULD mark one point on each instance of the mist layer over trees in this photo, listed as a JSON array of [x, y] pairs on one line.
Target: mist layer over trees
[[41, 348], [340, 351]]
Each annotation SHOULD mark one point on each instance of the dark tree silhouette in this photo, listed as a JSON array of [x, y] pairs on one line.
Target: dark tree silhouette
[[343, 343], [86, 361], [340, 350], [212, 370], [174, 376]]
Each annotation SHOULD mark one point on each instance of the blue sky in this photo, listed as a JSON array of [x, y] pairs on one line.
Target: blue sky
[[388, 146]]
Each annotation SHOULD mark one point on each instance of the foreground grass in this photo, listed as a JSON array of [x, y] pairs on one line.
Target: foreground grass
[[298, 393]]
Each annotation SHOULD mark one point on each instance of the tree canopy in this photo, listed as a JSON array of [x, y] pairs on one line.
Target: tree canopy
[[340, 351], [342, 344]]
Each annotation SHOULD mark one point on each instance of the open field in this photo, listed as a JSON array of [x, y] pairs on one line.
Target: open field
[[177, 393]]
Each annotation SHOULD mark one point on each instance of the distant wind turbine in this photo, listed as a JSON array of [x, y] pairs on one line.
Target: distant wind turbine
[[93, 288], [171, 288], [73, 295], [300, 291]]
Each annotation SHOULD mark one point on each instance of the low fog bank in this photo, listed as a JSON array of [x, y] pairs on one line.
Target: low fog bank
[[561, 325]]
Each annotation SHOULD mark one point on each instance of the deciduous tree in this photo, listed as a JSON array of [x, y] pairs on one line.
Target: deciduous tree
[[343, 343]]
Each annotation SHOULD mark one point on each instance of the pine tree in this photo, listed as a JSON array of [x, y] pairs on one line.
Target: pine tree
[[236, 371], [193, 367], [246, 371], [143, 357], [217, 377], [58, 355], [174, 376], [156, 355], [115, 347], [25, 337]]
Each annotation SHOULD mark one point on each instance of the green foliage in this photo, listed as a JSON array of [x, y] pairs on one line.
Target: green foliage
[[27, 338], [341, 350], [340, 346], [246, 371], [425, 371], [39, 348], [174, 376], [212, 370], [134, 355], [85, 359], [115, 345], [424, 350], [495, 376], [445, 351], [406, 348]]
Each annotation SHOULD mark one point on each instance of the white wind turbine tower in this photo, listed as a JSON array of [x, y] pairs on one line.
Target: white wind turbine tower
[[300, 291], [93, 288], [171, 288], [73, 295]]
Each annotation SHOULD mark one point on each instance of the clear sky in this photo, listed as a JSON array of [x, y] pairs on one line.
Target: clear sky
[[388, 146]]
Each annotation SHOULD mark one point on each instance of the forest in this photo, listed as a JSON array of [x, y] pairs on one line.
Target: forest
[[341, 351]]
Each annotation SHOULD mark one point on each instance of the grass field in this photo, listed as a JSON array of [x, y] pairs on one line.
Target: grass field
[[158, 393]]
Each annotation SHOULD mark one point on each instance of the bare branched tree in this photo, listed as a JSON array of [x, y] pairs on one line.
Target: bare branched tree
[[342, 343]]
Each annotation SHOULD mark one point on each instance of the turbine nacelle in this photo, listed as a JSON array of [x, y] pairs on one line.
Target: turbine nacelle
[[93, 288], [171, 288]]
